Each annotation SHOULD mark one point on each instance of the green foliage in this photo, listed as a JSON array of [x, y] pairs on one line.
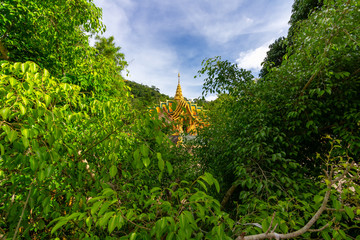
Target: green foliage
[[52, 139], [265, 134], [274, 56], [100, 76], [66, 151], [44, 33], [301, 10], [77, 161], [52, 34], [145, 96], [106, 47]]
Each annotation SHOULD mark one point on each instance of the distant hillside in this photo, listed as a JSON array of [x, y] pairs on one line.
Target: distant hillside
[[145, 96]]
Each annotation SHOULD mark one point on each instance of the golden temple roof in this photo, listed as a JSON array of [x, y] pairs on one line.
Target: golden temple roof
[[188, 116]]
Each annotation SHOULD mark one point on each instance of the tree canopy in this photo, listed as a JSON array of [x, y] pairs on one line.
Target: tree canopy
[[43, 32], [145, 96], [301, 9]]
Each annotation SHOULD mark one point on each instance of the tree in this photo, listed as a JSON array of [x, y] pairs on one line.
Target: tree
[[265, 142], [106, 47], [43, 32], [274, 56], [301, 9], [100, 74], [144, 96]]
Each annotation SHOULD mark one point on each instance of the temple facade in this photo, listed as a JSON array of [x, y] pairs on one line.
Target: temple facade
[[186, 115]]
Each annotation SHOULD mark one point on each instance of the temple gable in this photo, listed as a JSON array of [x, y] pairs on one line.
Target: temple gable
[[188, 116]]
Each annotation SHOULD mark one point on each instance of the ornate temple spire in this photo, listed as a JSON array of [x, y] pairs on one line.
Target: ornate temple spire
[[178, 94]]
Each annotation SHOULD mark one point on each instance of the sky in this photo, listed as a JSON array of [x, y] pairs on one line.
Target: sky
[[161, 38]]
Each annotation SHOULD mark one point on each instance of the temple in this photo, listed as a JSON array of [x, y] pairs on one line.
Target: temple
[[187, 116]]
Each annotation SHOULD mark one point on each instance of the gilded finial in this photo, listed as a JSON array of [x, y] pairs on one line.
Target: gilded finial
[[178, 94]]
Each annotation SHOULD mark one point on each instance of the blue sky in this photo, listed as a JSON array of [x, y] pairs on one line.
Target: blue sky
[[163, 37]]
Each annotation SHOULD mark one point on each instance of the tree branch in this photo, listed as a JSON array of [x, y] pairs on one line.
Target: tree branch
[[322, 228], [133, 222], [271, 223], [296, 233], [316, 216], [22, 213], [4, 52], [228, 195]]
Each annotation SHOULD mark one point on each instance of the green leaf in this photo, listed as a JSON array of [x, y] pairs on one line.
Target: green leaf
[[160, 176], [2, 149], [325, 235], [133, 236], [137, 161], [318, 198], [146, 161], [342, 234], [41, 175], [217, 186], [144, 150], [49, 171], [47, 100], [73, 215], [113, 171], [95, 207], [284, 228], [170, 236], [22, 109], [112, 224], [96, 199], [161, 163], [155, 189], [208, 178], [25, 141], [104, 207], [33, 163], [24, 67], [59, 225], [5, 112], [169, 167], [349, 212], [13, 81], [33, 67], [17, 66], [6, 129], [12, 135], [103, 221], [202, 184], [47, 74], [88, 222], [108, 192], [265, 224], [337, 204], [309, 123]]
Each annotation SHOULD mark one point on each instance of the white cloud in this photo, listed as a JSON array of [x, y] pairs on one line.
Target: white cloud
[[156, 67], [211, 97], [145, 30], [252, 59], [115, 18], [223, 20]]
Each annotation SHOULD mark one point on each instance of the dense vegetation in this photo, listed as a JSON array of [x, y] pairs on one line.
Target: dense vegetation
[[301, 10], [145, 96], [78, 161]]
